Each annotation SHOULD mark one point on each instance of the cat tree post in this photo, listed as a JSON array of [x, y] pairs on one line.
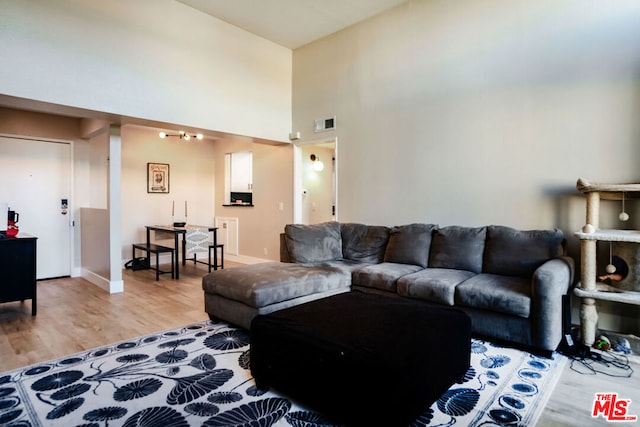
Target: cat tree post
[[588, 266]]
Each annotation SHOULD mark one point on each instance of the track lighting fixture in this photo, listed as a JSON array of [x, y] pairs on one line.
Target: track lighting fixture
[[182, 135]]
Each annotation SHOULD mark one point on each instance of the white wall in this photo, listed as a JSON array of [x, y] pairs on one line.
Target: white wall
[[99, 170], [148, 59], [259, 227], [192, 176], [96, 266], [81, 197], [158, 61], [475, 112], [480, 112], [197, 176]]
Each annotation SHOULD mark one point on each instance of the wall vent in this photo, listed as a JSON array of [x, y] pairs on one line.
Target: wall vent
[[325, 124]]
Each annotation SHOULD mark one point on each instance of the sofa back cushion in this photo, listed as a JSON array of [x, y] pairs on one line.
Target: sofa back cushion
[[364, 243], [458, 248], [313, 243], [409, 244], [513, 252]]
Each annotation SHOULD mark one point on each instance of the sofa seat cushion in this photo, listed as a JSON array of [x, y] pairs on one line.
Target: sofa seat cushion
[[382, 276], [503, 294], [259, 285], [433, 284]]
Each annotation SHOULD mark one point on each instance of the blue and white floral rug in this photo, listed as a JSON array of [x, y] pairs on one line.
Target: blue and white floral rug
[[199, 375]]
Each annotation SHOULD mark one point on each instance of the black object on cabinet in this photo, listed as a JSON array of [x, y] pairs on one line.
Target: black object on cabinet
[[18, 269]]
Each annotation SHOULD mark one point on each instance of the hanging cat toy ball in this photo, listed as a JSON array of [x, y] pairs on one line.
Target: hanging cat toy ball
[[623, 215]]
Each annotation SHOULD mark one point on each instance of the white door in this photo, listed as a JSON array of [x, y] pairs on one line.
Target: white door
[[35, 177]]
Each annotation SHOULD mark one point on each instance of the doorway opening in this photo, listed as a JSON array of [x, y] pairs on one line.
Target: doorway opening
[[315, 185]]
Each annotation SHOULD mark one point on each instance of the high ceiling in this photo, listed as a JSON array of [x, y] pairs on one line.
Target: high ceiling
[[292, 23], [289, 23]]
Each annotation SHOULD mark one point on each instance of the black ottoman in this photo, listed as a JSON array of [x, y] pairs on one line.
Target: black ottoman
[[362, 359]]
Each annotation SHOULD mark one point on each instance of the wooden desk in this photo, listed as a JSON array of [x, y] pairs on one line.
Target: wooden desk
[[18, 266], [177, 231]]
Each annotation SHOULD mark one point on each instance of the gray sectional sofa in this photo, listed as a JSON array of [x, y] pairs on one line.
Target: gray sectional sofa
[[510, 282]]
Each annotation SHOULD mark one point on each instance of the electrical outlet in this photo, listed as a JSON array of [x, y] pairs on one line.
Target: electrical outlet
[[265, 251]]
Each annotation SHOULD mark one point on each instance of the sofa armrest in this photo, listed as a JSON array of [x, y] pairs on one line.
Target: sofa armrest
[[550, 282]]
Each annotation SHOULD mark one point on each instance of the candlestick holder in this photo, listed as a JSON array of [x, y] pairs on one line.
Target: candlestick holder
[[177, 224]]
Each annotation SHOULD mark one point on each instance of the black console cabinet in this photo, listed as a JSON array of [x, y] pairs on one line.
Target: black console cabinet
[[18, 269]]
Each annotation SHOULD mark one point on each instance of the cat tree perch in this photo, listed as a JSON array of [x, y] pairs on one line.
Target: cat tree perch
[[590, 289]]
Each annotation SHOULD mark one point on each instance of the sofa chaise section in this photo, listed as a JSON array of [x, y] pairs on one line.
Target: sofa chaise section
[[237, 295]]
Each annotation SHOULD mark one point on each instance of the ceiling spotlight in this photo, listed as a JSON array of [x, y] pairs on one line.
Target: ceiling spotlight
[[182, 135]]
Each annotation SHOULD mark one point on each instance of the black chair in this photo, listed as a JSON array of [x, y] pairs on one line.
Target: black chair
[[152, 248], [215, 264]]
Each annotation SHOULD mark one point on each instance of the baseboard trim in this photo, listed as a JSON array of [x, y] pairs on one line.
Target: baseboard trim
[[244, 259], [201, 256], [111, 286]]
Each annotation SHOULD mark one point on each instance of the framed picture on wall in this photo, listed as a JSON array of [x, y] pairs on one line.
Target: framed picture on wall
[[157, 178]]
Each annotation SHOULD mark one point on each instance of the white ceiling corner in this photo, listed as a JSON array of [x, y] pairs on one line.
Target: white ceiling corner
[[292, 23]]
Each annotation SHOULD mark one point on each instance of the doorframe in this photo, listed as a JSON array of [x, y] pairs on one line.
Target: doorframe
[[71, 219], [297, 175]]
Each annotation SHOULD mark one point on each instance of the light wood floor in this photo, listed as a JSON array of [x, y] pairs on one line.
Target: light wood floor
[[75, 315]]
